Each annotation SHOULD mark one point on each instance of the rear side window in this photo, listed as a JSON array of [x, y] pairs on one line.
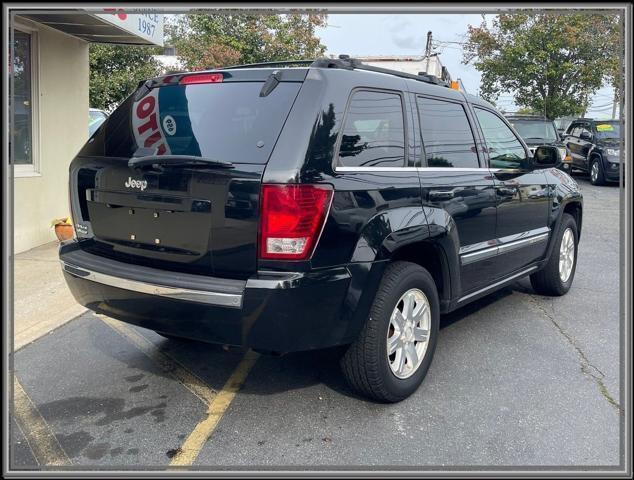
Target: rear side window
[[222, 121], [374, 133], [447, 136]]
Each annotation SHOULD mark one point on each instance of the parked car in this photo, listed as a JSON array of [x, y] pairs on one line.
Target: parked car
[[536, 130], [296, 208], [594, 146], [95, 118]]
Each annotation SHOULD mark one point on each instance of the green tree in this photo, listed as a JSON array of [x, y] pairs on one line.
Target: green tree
[[211, 41], [116, 70], [550, 62], [526, 111]]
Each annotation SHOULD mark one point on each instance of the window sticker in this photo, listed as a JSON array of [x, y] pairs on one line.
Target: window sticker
[[169, 125], [605, 127]]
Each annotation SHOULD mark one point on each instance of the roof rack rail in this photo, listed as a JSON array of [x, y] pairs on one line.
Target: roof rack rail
[[345, 62], [285, 63]]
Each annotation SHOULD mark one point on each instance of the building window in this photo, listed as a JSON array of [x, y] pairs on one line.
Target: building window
[[373, 135], [24, 132]]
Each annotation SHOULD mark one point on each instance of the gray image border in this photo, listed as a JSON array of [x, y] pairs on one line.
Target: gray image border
[[623, 470]]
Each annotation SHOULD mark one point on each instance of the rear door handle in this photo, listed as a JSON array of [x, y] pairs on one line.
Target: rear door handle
[[507, 191], [441, 194]]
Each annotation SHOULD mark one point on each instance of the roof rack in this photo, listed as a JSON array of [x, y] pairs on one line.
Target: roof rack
[[345, 62], [286, 63]]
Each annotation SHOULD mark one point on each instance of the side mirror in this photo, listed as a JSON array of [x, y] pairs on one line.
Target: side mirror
[[546, 156]]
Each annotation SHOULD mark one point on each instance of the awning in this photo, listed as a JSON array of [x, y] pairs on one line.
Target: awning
[[118, 27]]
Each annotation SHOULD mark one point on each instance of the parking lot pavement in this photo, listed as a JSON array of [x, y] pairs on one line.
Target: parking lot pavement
[[518, 380]]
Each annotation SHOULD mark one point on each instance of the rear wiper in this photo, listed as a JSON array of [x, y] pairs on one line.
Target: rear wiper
[[271, 82], [177, 160]]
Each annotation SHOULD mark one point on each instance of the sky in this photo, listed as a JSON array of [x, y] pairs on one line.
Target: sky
[[405, 34]]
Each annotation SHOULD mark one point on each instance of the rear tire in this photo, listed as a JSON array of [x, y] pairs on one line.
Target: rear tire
[[366, 364], [596, 172], [555, 279]]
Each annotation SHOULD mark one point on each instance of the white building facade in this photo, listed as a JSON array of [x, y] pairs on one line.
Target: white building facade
[[49, 86]]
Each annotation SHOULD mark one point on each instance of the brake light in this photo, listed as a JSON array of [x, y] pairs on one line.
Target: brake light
[[291, 220], [201, 78]]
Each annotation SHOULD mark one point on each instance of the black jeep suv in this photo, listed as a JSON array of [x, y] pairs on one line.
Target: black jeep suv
[[299, 206], [594, 146], [535, 131]]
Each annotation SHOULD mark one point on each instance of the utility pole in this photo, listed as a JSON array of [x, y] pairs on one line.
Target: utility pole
[[427, 51], [428, 45], [614, 104]]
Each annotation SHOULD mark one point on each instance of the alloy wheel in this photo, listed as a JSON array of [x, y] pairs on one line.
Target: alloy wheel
[[408, 333], [566, 255], [594, 172]]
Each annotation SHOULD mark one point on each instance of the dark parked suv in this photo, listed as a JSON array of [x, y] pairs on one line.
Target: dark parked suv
[[299, 206], [594, 146], [535, 131]]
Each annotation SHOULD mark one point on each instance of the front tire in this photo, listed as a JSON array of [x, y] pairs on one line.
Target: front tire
[[596, 172], [391, 356], [556, 277]]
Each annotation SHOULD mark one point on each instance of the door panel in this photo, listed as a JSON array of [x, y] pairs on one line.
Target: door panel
[[464, 201], [522, 195], [458, 195]]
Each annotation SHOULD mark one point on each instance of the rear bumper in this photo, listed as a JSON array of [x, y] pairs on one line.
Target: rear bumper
[[271, 311]]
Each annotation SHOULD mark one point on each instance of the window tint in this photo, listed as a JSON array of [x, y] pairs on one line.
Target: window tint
[[223, 121], [505, 150], [373, 135], [447, 136]]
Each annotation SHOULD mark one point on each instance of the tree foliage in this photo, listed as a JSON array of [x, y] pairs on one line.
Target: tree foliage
[[116, 70], [211, 41], [550, 62]]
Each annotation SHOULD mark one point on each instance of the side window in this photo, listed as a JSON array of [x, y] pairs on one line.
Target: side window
[[505, 150], [573, 130], [373, 135], [447, 135], [585, 128]]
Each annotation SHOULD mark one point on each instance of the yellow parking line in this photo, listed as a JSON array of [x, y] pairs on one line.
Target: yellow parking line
[[38, 433], [196, 440], [172, 367]]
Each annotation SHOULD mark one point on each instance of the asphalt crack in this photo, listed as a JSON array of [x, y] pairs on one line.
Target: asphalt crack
[[587, 367]]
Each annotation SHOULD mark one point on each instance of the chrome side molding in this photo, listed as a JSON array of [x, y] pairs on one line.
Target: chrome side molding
[[483, 250], [199, 296]]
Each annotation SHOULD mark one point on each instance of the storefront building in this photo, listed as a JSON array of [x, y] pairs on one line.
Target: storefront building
[[49, 105]]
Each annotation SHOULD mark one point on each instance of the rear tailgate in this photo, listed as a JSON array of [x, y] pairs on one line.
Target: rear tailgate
[[199, 215]]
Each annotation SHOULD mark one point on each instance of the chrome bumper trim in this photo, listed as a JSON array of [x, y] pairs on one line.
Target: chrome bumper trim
[[198, 296]]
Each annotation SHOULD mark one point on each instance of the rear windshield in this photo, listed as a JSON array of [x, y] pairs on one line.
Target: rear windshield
[[535, 130], [221, 121]]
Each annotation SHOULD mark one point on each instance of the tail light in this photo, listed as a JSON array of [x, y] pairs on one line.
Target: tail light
[[291, 220]]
